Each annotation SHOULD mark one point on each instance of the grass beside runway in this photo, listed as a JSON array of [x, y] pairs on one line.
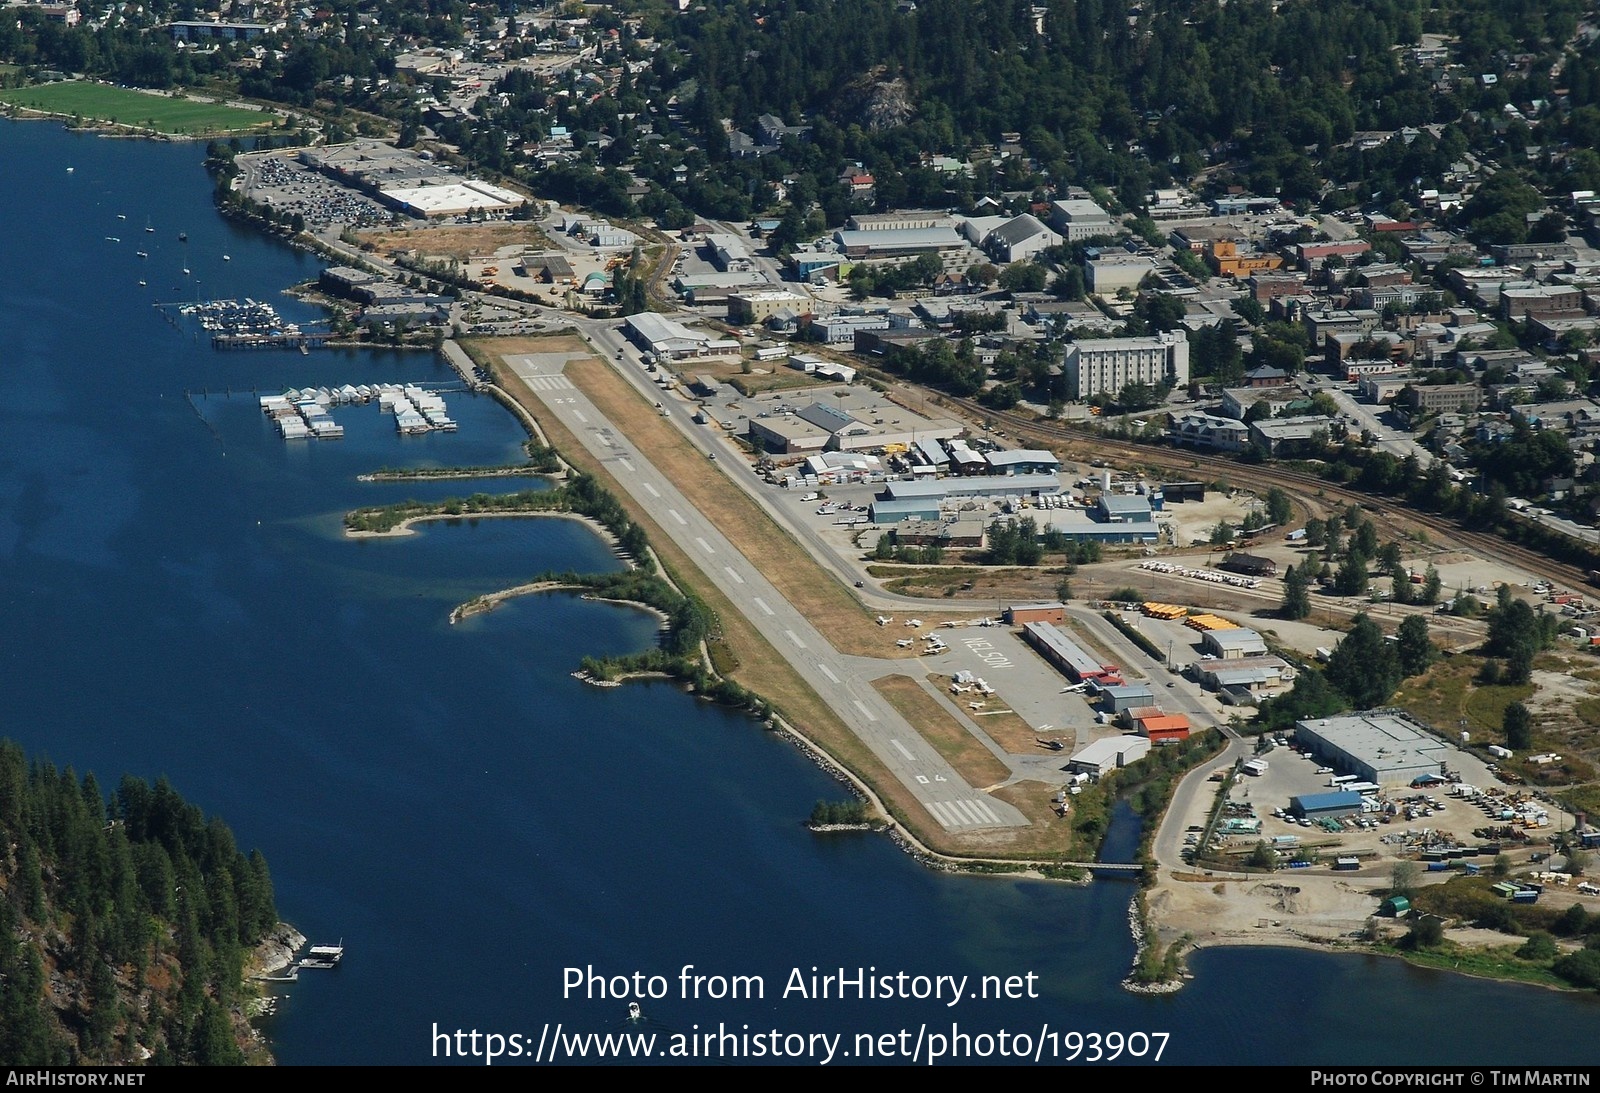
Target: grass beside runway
[[949, 736], [752, 661]]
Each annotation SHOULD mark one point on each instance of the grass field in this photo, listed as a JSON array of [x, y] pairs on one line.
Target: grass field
[[961, 749], [158, 113]]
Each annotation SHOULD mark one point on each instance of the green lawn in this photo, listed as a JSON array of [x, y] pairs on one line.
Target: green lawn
[[101, 103]]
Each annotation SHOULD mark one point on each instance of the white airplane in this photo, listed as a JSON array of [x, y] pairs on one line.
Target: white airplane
[[913, 622], [885, 620], [904, 643]]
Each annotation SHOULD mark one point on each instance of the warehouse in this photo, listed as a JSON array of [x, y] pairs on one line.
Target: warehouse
[[787, 435], [1331, 806], [1019, 614], [976, 486], [1377, 746], [1116, 508], [1254, 675], [1116, 697], [1104, 756], [1160, 727], [894, 512], [666, 338], [1234, 644], [1067, 655], [898, 242], [1023, 461]]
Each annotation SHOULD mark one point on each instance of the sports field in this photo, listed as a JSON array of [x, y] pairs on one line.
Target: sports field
[[102, 103]]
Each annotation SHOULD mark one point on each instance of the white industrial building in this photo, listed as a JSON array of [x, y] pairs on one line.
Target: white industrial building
[[1104, 756], [663, 337], [1381, 746], [454, 199], [1105, 366]]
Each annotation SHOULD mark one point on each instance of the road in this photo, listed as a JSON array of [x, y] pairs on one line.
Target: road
[[1394, 441], [954, 804]]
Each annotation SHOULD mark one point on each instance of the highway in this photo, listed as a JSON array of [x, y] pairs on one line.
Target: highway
[[838, 679]]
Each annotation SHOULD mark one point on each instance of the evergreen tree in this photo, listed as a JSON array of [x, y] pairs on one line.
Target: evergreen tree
[[1364, 667], [1518, 726], [1280, 510], [1351, 579], [1431, 585], [1296, 593], [1413, 649]]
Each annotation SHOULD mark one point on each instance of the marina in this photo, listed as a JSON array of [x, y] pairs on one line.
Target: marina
[[306, 414], [248, 324]]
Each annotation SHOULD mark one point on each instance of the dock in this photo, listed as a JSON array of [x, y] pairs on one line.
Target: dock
[[299, 340], [318, 956]]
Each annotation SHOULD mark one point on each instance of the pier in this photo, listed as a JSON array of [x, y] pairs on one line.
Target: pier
[[297, 340], [318, 956]]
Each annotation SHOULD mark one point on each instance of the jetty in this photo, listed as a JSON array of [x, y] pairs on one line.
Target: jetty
[[318, 956], [301, 339]]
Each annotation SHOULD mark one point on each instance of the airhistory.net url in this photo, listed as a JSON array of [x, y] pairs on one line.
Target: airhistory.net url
[[916, 1046]]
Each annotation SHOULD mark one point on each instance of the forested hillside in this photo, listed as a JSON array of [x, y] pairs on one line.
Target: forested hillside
[[124, 924]]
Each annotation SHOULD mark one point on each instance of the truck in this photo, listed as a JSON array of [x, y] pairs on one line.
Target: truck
[[1256, 767]]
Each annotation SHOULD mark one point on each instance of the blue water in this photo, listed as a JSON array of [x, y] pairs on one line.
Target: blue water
[[471, 821]]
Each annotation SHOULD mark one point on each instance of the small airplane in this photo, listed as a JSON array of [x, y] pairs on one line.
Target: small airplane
[[905, 643], [885, 620], [913, 622]]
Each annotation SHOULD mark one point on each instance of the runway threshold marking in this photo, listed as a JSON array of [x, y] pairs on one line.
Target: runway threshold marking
[[968, 811], [948, 819]]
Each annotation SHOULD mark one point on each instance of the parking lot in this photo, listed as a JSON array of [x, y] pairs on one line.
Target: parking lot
[[1445, 820], [279, 180]]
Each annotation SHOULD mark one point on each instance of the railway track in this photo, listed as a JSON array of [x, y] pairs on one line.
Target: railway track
[[1316, 494]]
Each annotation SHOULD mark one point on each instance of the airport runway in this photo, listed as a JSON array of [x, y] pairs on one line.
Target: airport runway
[[957, 806]]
